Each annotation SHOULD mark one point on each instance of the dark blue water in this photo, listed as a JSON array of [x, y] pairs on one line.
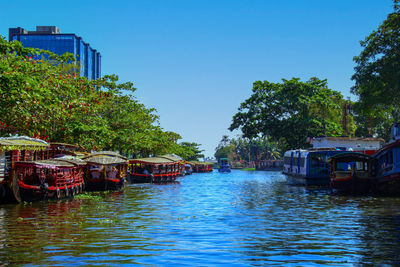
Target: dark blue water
[[237, 219]]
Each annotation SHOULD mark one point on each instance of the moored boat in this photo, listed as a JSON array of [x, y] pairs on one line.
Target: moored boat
[[388, 164], [352, 172], [51, 178], [153, 170], [310, 166], [12, 150], [105, 170], [202, 166]]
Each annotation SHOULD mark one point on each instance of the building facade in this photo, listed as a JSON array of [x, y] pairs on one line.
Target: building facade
[[50, 38]]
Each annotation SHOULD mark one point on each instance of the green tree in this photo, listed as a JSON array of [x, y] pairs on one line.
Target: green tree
[[377, 76], [289, 112], [42, 95]]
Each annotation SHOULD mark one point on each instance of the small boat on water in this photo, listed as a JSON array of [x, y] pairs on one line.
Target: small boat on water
[[224, 166], [202, 166], [353, 173], [12, 150], [153, 170], [51, 178], [105, 170]]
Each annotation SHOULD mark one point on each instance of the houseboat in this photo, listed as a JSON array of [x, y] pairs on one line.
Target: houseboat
[[388, 164], [352, 173], [105, 170], [12, 150], [176, 159], [51, 178], [202, 166], [310, 166], [224, 166], [153, 170]]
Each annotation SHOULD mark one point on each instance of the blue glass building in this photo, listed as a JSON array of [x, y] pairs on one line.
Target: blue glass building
[[50, 38]]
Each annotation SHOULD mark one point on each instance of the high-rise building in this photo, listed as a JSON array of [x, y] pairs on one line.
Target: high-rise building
[[50, 38]]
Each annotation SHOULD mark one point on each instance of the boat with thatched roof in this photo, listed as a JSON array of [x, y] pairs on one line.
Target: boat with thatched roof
[[12, 150], [51, 178], [105, 170], [154, 169]]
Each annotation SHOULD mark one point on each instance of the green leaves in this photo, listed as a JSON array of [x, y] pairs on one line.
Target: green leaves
[[48, 99], [292, 110], [377, 75]]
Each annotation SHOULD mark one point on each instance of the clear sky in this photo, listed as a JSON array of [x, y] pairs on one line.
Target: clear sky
[[195, 60]]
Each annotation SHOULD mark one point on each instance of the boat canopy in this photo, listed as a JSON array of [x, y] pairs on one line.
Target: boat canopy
[[48, 163], [22, 143], [153, 160], [350, 156], [105, 158], [171, 157]]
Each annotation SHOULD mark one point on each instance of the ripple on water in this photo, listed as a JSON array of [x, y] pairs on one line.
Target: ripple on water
[[239, 219]]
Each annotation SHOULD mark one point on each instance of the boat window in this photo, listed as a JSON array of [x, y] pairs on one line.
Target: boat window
[[343, 166], [302, 162]]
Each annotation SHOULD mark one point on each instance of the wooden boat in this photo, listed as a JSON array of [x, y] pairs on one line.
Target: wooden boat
[[352, 172], [176, 159], [202, 166], [105, 170], [224, 166], [61, 149], [12, 150], [153, 170], [51, 178]]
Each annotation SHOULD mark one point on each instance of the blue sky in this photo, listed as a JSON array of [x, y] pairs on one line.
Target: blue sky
[[195, 60]]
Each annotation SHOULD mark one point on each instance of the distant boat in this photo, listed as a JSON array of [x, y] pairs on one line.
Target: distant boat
[[224, 166]]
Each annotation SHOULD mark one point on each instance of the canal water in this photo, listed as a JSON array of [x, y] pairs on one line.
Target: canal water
[[237, 219]]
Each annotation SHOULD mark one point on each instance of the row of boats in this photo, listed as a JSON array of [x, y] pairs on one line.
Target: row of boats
[[32, 169], [359, 169]]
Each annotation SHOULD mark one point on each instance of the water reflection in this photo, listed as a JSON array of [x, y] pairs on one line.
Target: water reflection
[[240, 219]]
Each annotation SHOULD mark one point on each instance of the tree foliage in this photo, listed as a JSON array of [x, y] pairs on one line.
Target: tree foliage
[[377, 76], [43, 96], [291, 111], [244, 149]]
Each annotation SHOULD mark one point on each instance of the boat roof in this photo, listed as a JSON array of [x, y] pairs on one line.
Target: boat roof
[[51, 163], [71, 159], [350, 156], [105, 158], [22, 143], [63, 144], [153, 160], [172, 157], [387, 147]]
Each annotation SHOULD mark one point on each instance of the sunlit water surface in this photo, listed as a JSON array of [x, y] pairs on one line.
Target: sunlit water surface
[[237, 219]]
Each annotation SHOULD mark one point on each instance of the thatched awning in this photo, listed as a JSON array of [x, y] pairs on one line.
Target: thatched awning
[[22, 143], [153, 160], [105, 158], [171, 157]]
